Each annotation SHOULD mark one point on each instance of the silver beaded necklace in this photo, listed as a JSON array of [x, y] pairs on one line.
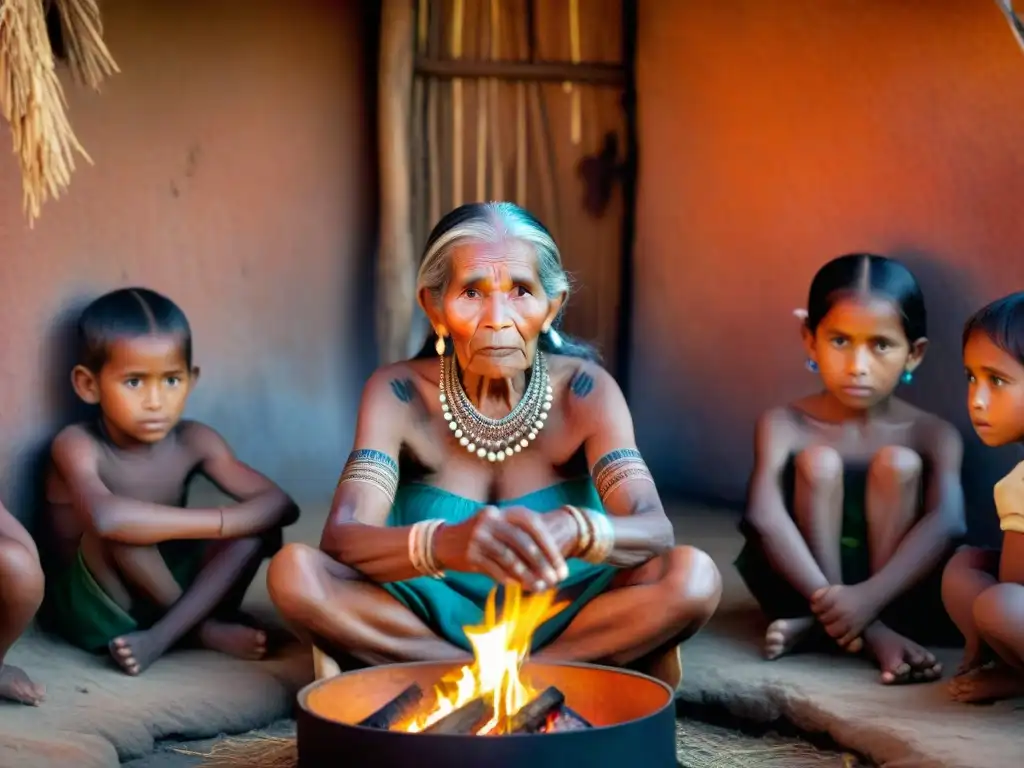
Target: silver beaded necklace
[[495, 439]]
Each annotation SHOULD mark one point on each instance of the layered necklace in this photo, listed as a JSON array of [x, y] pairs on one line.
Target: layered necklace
[[495, 439]]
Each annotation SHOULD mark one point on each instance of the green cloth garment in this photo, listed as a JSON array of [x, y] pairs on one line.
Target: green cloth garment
[[918, 613], [456, 600], [85, 615], [777, 598]]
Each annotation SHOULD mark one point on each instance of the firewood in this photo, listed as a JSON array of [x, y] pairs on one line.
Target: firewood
[[466, 720], [395, 710], [568, 720], [533, 715]]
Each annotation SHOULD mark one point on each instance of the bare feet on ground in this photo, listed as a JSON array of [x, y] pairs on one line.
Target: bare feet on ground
[[975, 657], [136, 651], [990, 683], [16, 686], [901, 660], [237, 640], [785, 634]]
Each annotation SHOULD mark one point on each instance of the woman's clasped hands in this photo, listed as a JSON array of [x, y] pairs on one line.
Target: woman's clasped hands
[[514, 544]]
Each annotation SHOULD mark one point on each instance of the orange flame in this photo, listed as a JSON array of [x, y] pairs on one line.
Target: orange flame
[[500, 646]]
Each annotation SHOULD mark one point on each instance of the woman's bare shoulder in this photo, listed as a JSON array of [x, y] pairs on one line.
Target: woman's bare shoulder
[[581, 380], [401, 382]]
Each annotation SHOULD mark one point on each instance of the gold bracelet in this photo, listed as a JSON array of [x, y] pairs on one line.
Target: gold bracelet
[[585, 538], [430, 556], [421, 546], [604, 538]]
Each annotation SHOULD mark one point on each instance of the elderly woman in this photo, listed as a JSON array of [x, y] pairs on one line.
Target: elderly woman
[[470, 467]]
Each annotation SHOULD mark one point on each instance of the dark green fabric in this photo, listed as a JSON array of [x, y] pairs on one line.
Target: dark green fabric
[[86, 616], [777, 598], [918, 613], [457, 600]]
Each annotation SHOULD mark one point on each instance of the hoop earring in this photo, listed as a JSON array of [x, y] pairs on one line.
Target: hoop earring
[[811, 366], [554, 337], [907, 377], [440, 346]]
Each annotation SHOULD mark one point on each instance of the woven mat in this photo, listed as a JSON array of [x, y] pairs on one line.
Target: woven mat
[[700, 745]]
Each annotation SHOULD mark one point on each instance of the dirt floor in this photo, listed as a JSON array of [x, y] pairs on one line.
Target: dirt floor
[[95, 716]]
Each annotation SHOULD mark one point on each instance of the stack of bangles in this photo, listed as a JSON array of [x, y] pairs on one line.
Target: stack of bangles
[[597, 537], [421, 547]]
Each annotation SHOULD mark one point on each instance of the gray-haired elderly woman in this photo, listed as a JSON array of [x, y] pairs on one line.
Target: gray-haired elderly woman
[[501, 453]]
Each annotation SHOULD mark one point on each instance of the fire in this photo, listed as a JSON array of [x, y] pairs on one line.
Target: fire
[[500, 646]]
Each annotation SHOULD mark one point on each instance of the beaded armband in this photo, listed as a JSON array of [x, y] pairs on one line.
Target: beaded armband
[[373, 467], [617, 467]]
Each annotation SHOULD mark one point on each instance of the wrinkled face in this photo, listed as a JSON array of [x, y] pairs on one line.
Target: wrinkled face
[[494, 308], [995, 391], [862, 350], [141, 389]]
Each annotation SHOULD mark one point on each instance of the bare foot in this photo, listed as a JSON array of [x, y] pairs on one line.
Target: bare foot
[[975, 657], [233, 639], [134, 652], [987, 684], [966, 669], [901, 660], [785, 634], [15, 685]]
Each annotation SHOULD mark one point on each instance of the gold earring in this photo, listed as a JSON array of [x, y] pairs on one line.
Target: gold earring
[[439, 345]]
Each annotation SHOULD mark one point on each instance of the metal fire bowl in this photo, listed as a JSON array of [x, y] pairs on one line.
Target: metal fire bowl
[[633, 717]]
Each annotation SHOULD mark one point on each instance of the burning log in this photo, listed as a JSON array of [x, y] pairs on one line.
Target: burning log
[[395, 710], [466, 720], [567, 720], [534, 715]]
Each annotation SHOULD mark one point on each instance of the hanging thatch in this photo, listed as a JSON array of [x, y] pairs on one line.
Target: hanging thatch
[[31, 97]]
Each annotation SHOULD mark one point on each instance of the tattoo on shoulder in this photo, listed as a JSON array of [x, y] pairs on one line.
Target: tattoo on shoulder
[[403, 389], [581, 384]]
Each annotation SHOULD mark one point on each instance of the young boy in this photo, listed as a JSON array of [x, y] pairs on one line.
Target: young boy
[[983, 589], [137, 571], [21, 592]]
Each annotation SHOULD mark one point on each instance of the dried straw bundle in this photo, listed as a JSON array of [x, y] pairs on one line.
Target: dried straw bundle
[[258, 752], [82, 28], [31, 97]]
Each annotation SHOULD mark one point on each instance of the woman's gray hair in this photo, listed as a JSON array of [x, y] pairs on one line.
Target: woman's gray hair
[[493, 223], [489, 223]]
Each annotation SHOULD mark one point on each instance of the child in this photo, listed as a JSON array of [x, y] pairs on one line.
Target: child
[[21, 592], [855, 499], [138, 572], [984, 589]]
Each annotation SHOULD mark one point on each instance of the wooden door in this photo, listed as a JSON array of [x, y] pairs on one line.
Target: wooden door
[[531, 101]]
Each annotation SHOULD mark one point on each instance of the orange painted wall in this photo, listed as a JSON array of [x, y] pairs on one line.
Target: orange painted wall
[[776, 135], [233, 171]]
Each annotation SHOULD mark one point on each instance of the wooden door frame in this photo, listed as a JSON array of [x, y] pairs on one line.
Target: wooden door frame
[[622, 75]]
